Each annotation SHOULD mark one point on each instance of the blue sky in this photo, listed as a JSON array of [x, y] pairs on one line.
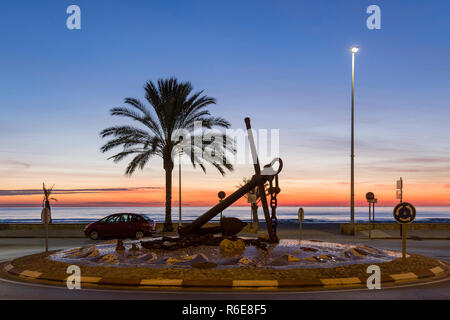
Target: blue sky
[[284, 63]]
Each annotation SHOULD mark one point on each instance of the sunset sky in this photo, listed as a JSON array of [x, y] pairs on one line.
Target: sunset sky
[[285, 64]]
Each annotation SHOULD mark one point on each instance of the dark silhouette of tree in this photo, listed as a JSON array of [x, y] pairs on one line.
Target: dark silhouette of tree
[[173, 107]]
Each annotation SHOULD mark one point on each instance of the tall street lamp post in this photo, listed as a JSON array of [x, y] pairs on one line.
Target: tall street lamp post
[[180, 223], [354, 50]]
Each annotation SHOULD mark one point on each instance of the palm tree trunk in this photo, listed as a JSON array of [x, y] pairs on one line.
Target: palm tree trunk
[[168, 167]]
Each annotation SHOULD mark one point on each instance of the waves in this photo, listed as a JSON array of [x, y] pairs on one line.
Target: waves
[[284, 214]]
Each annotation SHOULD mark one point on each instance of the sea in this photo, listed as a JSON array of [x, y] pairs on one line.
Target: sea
[[284, 214]]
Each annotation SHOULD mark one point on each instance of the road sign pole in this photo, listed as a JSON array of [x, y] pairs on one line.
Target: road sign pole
[[401, 190], [400, 196], [373, 214], [370, 227], [401, 200], [403, 241], [221, 196], [404, 213], [370, 197]]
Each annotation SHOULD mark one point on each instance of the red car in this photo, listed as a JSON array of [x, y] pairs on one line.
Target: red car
[[121, 225]]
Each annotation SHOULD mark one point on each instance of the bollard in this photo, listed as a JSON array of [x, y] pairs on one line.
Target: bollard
[[301, 216]]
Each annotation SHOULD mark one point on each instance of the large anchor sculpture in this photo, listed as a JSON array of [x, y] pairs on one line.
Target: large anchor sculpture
[[194, 233]]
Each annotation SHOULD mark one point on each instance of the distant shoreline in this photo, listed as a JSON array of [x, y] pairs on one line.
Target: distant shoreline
[[285, 215]]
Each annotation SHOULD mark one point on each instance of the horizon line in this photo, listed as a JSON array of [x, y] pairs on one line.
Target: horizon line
[[198, 206]]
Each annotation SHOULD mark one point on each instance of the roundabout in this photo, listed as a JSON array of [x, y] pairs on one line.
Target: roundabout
[[308, 265]]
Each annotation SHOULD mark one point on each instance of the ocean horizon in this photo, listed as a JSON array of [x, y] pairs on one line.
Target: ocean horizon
[[284, 214]]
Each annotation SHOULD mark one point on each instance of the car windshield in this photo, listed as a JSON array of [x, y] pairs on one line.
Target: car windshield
[[104, 219]]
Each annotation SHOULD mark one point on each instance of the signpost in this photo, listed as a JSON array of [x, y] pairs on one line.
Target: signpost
[[301, 217], [45, 218], [373, 212], [399, 193], [221, 196], [370, 196], [404, 213]]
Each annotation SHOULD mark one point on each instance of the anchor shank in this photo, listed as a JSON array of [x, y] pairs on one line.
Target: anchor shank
[[262, 192], [225, 203]]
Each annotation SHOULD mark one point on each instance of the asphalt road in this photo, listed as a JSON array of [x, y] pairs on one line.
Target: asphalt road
[[11, 248]]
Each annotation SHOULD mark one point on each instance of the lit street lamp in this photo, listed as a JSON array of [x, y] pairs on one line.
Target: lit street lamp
[[354, 50]]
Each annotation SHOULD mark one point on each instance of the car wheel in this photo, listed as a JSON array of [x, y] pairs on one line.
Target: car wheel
[[94, 235], [139, 234]]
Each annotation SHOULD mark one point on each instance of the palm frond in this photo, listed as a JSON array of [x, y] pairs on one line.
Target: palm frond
[[138, 162], [47, 192], [173, 106]]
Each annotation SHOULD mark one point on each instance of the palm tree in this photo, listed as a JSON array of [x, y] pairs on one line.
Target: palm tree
[[254, 205], [46, 201], [173, 108]]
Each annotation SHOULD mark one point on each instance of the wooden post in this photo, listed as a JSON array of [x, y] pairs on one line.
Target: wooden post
[[403, 241], [370, 227], [301, 216]]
